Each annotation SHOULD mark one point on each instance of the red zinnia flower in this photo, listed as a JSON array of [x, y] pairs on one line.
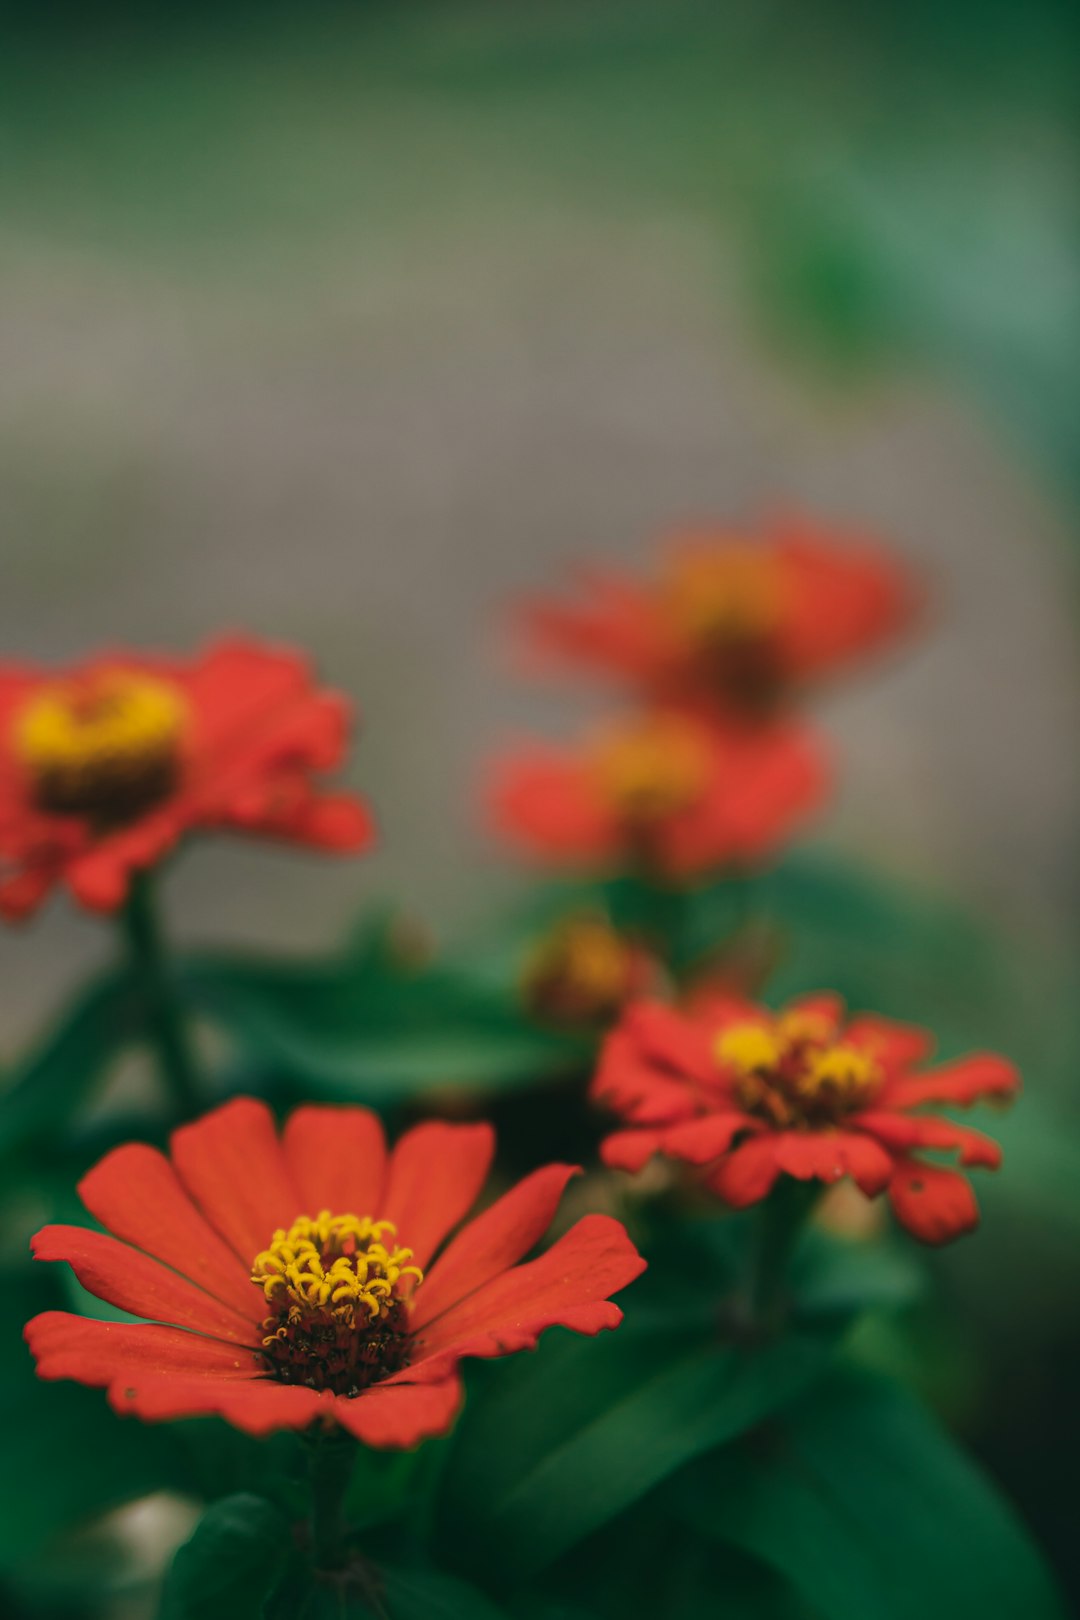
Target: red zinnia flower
[[730, 621], [308, 1278], [664, 791], [103, 768], [749, 1094]]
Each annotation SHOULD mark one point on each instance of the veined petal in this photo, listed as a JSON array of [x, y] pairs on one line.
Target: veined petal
[[100, 1353], [256, 1406], [568, 1284], [337, 1157], [126, 1277], [435, 1176], [234, 1167], [494, 1241], [400, 1414], [135, 1192]]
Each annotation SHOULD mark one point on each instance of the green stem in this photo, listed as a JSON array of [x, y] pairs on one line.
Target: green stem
[[165, 1020], [330, 1466], [781, 1219]]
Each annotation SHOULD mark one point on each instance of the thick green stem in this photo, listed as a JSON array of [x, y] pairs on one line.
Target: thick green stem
[[330, 1466], [164, 1018], [781, 1219]]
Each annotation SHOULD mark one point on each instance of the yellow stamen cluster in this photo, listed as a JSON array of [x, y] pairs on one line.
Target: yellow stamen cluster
[[581, 972], [340, 1264], [793, 1071], [731, 594], [651, 768], [338, 1289], [104, 746]]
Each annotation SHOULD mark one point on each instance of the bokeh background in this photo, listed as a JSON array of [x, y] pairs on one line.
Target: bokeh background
[[346, 323]]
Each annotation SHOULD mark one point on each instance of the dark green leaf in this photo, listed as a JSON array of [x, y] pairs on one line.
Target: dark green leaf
[[368, 1026], [72, 1456], [861, 1501], [89, 1035], [231, 1564], [410, 1594], [564, 1451]]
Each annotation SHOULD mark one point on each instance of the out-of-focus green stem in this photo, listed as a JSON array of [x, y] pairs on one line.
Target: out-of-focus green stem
[[330, 1465], [781, 1220], [165, 1020]]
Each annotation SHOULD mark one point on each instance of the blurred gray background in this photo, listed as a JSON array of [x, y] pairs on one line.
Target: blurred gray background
[[347, 333]]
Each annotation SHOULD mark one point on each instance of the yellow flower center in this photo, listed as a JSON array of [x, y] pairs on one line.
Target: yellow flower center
[[793, 1072], [651, 769], [338, 1288], [724, 607], [731, 594], [106, 746], [581, 973]]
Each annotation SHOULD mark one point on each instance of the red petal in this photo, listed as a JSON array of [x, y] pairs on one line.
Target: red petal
[[492, 1242], [400, 1415], [258, 1406], [667, 1038], [568, 1285], [100, 1353], [338, 1160], [630, 1150], [135, 1192], [543, 799], [829, 1155], [747, 1174], [820, 1004], [935, 1205], [903, 1131], [631, 1084], [435, 1176], [983, 1074], [894, 1046], [233, 1165], [699, 1141], [123, 1276]]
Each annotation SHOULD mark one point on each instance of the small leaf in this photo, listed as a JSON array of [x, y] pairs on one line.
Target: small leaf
[[867, 1507], [231, 1564]]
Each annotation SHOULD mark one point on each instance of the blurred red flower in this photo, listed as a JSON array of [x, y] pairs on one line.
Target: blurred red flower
[[749, 1094], [282, 1319], [662, 791], [104, 767], [730, 622]]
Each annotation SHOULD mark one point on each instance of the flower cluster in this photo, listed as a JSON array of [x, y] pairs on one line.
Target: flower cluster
[[747, 1095], [710, 772]]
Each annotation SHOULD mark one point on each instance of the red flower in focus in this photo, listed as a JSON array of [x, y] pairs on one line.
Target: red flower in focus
[[749, 1094], [103, 768], [663, 791], [308, 1279], [730, 622]]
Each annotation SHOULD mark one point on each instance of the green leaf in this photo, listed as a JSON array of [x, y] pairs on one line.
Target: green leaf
[[88, 1036], [591, 1427], [231, 1564], [72, 1456], [367, 1026], [868, 1508], [410, 1594]]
